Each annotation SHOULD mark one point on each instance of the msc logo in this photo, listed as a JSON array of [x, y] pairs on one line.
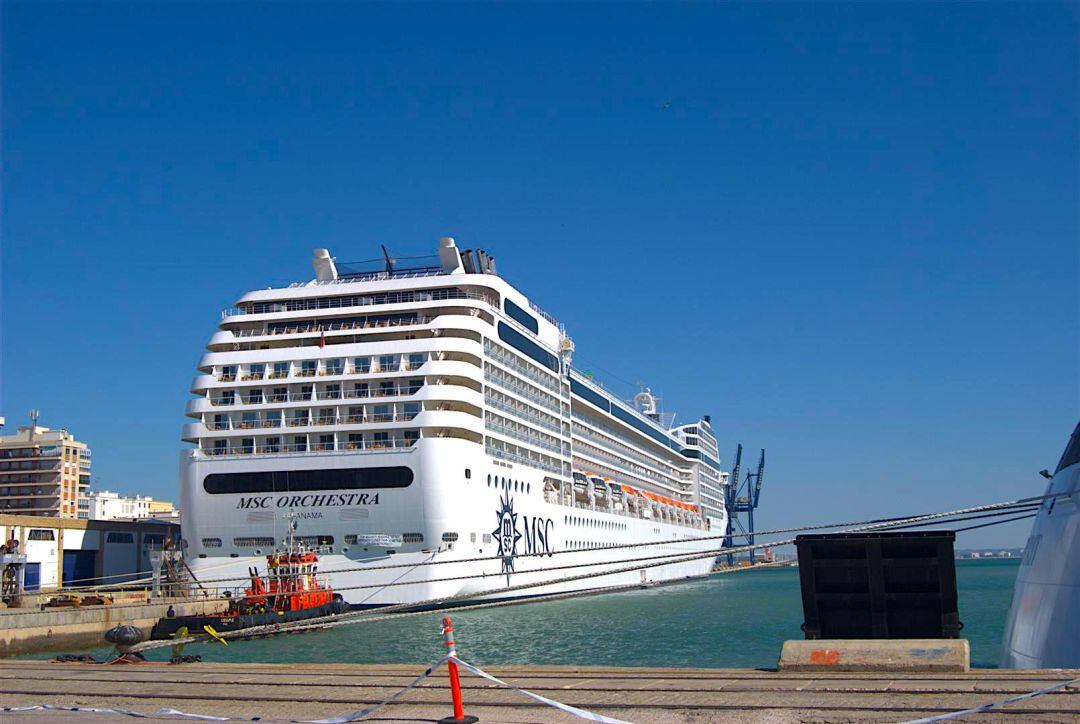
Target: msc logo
[[537, 534]]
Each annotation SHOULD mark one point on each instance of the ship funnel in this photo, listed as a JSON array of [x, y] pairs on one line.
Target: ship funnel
[[449, 257], [468, 260], [325, 269]]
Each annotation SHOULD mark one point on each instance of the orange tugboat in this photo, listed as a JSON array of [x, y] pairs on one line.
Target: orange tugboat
[[292, 590]]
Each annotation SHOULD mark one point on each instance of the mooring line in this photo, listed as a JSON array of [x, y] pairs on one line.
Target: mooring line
[[636, 565], [912, 521]]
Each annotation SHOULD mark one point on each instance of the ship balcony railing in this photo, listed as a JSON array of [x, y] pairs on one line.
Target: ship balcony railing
[[245, 425], [298, 422], [436, 295], [324, 395], [249, 378], [523, 437], [300, 396], [325, 420], [314, 447], [222, 401], [227, 378], [277, 398], [524, 415], [332, 371], [354, 419], [305, 373], [497, 354], [521, 391], [308, 328], [278, 375]]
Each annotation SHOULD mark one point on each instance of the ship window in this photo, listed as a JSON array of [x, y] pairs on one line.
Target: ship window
[[411, 436], [252, 541], [1071, 456], [521, 316], [211, 542], [114, 537], [361, 365], [335, 366], [416, 360], [308, 367], [449, 537], [350, 539], [316, 540], [525, 345], [41, 534], [414, 386], [299, 445], [412, 537], [273, 445], [281, 369], [468, 474], [289, 481], [388, 363]]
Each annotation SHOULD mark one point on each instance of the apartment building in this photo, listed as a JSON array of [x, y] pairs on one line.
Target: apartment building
[[43, 472]]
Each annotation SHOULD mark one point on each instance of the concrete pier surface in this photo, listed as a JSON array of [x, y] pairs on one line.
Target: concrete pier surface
[[308, 691]]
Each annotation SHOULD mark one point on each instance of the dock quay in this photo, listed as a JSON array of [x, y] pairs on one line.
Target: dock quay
[[25, 630], [312, 691]]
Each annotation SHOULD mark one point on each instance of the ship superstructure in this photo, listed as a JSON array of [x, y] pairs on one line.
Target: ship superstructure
[[430, 413]]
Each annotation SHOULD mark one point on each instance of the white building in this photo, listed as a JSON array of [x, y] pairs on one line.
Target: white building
[[107, 505]]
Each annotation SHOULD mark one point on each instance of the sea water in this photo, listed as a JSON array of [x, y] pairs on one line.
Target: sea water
[[730, 620]]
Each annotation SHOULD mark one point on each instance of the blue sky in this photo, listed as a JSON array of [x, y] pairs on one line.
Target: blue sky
[[848, 232]]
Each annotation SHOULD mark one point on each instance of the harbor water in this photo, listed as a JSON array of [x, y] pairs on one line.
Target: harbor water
[[730, 620]]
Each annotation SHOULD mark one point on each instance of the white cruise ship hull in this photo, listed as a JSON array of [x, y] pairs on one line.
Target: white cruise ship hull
[[1043, 628], [531, 544]]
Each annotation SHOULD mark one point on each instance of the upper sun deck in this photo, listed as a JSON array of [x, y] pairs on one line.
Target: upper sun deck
[[449, 275]]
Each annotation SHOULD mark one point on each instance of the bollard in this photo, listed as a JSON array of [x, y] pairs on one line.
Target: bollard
[[459, 716]]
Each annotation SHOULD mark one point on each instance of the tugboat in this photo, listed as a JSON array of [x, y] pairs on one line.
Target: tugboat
[[292, 590]]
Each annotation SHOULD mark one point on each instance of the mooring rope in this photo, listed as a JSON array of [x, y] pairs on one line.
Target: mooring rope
[[1013, 505], [1022, 504], [637, 565]]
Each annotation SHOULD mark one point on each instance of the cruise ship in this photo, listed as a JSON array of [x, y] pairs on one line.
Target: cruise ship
[[422, 425]]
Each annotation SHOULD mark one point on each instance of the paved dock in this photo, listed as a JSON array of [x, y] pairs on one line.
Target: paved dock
[[308, 691]]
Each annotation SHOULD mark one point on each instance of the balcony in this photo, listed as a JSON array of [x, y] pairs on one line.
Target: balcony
[[315, 447], [305, 373], [278, 375]]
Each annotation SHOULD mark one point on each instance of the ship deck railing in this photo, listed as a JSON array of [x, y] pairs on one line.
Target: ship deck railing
[[391, 445], [407, 297]]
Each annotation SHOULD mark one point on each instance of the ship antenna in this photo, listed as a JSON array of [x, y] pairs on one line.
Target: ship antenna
[[390, 261]]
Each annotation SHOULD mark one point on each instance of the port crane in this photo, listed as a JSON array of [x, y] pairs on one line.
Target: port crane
[[743, 498]]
